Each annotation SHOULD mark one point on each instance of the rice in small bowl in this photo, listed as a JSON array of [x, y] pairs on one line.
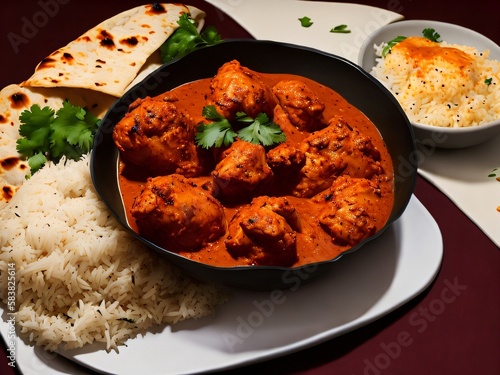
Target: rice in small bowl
[[449, 87]]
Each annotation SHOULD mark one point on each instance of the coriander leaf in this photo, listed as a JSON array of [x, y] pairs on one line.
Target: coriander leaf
[[431, 34], [72, 132], [305, 21], [35, 118], [261, 131], [49, 135], [428, 33], [387, 48], [186, 38], [220, 132], [217, 133], [210, 113], [243, 117], [37, 141], [35, 128], [340, 29], [36, 162], [488, 81]]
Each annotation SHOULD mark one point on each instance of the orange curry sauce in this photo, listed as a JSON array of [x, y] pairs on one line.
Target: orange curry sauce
[[192, 98]]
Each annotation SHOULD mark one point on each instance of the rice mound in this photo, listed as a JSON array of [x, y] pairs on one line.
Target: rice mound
[[80, 277], [443, 94]]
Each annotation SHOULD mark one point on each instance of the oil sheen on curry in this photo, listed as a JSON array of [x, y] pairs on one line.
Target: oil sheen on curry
[[307, 199]]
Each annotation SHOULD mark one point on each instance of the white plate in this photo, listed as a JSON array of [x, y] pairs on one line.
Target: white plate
[[255, 326], [362, 20]]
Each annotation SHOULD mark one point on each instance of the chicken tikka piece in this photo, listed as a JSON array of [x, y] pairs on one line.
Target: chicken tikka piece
[[325, 161]]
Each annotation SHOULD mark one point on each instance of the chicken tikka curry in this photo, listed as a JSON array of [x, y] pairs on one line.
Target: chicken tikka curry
[[327, 187]]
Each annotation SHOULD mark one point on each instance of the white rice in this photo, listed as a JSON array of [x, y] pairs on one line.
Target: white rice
[[442, 97], [80, 277]]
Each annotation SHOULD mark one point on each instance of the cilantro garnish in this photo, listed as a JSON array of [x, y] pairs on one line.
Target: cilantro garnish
[[432, 35], [220, 132], [305, 21], [342, 29], [186, 38], [387, 48], [488, 81], [261, 130], [217, 133], [50, 135], [428, 33]]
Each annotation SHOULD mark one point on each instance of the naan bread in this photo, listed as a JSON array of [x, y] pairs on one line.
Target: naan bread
[[108, 57], [14, 99], [89, 72]]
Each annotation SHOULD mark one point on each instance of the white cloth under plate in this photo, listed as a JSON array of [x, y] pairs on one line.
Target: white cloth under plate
[[278, 20]]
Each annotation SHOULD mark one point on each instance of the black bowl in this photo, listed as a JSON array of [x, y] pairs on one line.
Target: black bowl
[[348, 79]]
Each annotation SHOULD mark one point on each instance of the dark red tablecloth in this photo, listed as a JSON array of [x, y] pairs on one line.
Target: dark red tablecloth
[[462, 336]]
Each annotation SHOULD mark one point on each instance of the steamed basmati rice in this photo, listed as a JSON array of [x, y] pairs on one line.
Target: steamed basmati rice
[[441, 92], [81, 278]]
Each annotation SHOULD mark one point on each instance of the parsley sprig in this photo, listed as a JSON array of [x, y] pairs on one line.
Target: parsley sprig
[[428, 33], [50, 135], [258, 130]]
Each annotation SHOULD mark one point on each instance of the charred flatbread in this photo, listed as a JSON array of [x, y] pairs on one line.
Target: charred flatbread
[[89, 72], [108, 57]]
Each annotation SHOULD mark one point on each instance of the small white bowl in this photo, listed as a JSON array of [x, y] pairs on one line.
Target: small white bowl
[[437, 136]]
